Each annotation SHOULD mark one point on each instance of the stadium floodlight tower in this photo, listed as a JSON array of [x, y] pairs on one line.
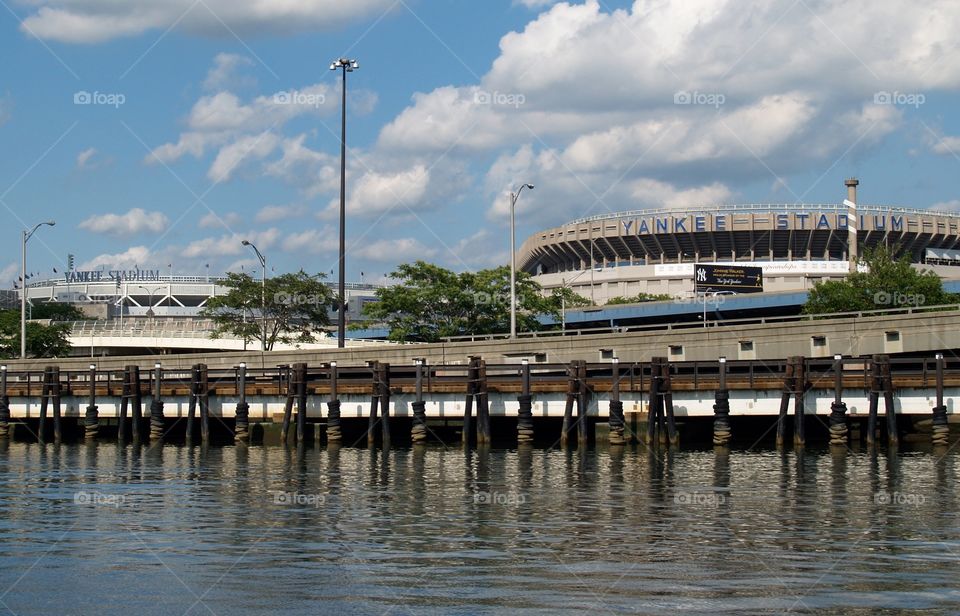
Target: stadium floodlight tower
[[23, 284], [513, 258], [345, 66]]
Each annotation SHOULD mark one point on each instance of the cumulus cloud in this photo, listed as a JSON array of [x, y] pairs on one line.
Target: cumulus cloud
[[216, 220], [946, 145], [312, 241], [223, 73], [230, 244], [84, 158], [394, 250], [10, 273], [135, 256], [134, 221], [94, 21], [276, 213], [379, 192]]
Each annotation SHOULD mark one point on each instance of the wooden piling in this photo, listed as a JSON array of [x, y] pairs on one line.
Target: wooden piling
[[418, 432], [125, 394], [192, 404], [385, 403], [136, 412], [785, 395], [374, 404], [156, 405], [838, 408], [288, 404], [583, 404], [890, 410], [525, 412], [567, 425], [204, 393], [301, 369], [57, 414], [615, 420], [91, 419], [4, 404], [671, 423], [241, 426], [656, 400], [875, 386], [333, 408], [941, 430], [467, 432], [483, 404], [44, 404], [721, 407], [799, 386]]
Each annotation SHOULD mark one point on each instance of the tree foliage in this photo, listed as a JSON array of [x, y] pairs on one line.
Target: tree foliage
[[639, 299], [42, 340], [888, 282], [56, 311], [431, 302], [296, 306]]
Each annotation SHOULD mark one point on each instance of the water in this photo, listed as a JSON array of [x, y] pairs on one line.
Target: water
[[176, 530]]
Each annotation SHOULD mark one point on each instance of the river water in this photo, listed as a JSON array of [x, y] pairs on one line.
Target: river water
[[167, 530]]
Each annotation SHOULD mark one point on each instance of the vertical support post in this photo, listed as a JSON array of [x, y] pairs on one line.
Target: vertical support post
[[890, 410], [44, 405], [525, 412], [467, 433], [91, 419], [799, 384], [204, 404], [192, 406], [671, 431], [483, 404], [838, 408], [785, 394], [4, 404], [653, 408], [125, 393], [568, 405], [288, 404], [721, 407], [301, 402], [55, 392], [615, 419], [583, 415], [418, 433], [241, 431], [385, 403], [941, 431], [875, 385], [333, 408], [136, 413], [374, 402], [156, 405]]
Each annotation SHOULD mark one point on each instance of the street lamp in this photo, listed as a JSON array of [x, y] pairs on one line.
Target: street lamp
[[263, 292], [23, 285], [150, 293], [346, 66], [513, 258]]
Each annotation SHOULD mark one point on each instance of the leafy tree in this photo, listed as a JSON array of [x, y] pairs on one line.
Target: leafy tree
[[639, 299], [42, 340], [296, 306], [888, 282], [431, 302], [56, 311]]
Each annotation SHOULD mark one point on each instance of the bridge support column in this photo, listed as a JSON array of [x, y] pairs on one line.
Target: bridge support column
[[721, 408], [941, 431], [333, 408], [418, 433], [615, 420], [156, 406], [467, 434], [241, 432], [525, 414], [91, 419], [893, 439], [785, 393], [291, 387], [838, 409], [301, 369], [799, 387]]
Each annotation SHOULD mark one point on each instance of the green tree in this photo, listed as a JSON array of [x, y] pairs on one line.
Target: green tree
[[56, 311], [639, 299], [431, 302], [42, 340], [296, 306], [888, 282]]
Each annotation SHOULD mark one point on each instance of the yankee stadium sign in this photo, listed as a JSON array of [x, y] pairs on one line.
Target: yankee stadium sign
[[687, 223], [134, 275]]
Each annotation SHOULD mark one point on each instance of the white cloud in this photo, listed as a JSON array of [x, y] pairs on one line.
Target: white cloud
[[312, 241], [244, 149], [223, 72], [535, 4], [953, 205], [9, 274], [135, 256], [230, 244], [94, 21], [275, 213], [375, 192], [394, 251], [136, 220], [946, 145], [215, 220], [84, 157]]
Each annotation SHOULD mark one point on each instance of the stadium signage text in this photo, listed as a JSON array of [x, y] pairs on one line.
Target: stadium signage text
[[732, 278], [134, 275], [781, 221]]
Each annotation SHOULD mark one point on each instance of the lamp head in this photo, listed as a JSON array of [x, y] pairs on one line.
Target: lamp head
[[530, 186], [245, 243], [51, 223]]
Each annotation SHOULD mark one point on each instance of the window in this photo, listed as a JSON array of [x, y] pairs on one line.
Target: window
[[676, 349], [819, 341]]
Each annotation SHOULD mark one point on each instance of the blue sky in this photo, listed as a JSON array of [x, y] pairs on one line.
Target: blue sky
[[211, 121]]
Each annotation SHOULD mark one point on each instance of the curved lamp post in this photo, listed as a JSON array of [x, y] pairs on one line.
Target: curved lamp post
[[513, 259], [263, 292], [23, 285]]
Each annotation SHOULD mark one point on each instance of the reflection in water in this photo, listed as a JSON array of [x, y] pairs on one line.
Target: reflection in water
[[98, 527]]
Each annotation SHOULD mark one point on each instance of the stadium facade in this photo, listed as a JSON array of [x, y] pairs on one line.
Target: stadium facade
[[797, 245]]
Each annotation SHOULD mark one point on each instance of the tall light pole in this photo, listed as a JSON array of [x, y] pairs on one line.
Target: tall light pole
[[150, 293], [263, 292], [23, 285], [513, 258], [346, 66]]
